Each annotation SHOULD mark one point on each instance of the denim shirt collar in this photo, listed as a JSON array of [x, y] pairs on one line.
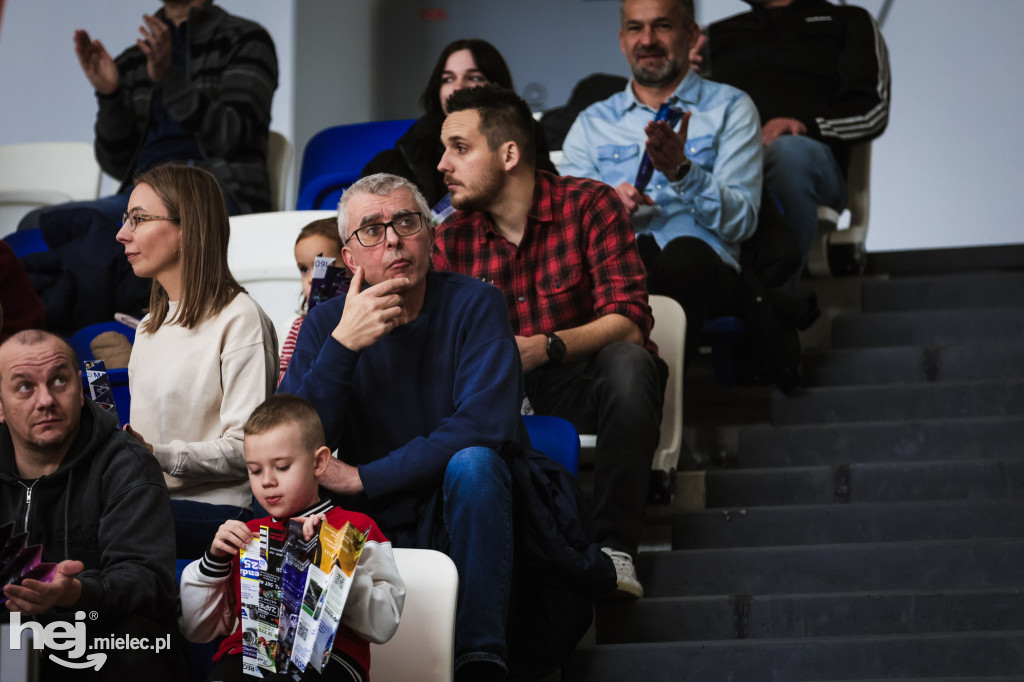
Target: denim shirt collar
[[688, 92]]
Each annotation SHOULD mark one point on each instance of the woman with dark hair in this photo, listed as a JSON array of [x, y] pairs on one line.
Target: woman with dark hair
[[204, 356], [464, 63]]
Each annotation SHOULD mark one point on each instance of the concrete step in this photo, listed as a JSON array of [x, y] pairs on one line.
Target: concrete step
[[821, 658], [811, 444], [912, 364], [864, 366], [980, 361], [870, 482], [848, 523], [924, 565], [945, 400], [929, 328], [682, 619], [987, 678], [974, 290]]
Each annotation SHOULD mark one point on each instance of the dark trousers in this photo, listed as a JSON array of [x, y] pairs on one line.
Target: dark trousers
[[617, 394], [196, 523], [690, 271]]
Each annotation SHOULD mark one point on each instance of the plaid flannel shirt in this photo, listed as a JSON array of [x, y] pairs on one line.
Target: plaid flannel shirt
[[577, 260]]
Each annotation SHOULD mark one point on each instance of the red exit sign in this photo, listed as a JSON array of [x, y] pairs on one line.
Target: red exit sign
[[436, 14]]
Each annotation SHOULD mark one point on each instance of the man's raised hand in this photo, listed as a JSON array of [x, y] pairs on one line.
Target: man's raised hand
[[371, 313], [155, 43], [667, 147], [97, 65]]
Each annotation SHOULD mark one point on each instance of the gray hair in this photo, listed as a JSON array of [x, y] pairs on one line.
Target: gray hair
[[381, 184], [687, 6]]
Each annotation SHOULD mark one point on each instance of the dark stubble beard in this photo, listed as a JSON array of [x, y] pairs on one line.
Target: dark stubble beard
[[489, 188]]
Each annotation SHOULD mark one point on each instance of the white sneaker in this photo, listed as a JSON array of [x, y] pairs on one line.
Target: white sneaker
[[625, 575]]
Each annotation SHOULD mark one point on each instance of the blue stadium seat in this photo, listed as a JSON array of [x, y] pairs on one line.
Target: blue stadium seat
[[723, 335], [334, 157], [556, 438], [80, 341], [26, 242]]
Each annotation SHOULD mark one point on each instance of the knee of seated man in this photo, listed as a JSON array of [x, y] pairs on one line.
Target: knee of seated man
[[626, 368], [796, 151], [478, 467]]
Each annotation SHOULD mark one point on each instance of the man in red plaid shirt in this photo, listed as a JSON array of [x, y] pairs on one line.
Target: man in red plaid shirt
[[563, 252]]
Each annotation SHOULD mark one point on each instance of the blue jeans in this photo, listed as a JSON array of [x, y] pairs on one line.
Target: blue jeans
[[803, 174], [195, 524], [477, 494]]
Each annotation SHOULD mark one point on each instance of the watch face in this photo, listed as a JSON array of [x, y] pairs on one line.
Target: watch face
[[556, 348]]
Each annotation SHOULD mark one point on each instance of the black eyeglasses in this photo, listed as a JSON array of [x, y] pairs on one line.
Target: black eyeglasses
[[405, 225], [132, 220]]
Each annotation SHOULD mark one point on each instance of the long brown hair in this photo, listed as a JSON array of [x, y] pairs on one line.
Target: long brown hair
[[193, 198]]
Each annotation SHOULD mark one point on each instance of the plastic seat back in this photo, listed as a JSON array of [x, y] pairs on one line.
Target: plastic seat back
[[44, 173], [334, 157], [423, 649], [670, 334], [555, 437], [261, 256], [279, 164]]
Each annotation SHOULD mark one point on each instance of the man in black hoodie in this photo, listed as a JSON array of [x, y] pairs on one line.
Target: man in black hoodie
[[819, 76], [95, 500]]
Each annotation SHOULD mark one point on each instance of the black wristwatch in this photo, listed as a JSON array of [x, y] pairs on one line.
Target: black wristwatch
[[556, 349]]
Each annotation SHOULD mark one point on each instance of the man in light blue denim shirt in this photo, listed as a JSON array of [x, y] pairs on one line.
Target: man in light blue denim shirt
[[702, 200]]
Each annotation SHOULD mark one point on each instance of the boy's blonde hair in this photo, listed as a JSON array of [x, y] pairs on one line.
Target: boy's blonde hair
[[279, 410]]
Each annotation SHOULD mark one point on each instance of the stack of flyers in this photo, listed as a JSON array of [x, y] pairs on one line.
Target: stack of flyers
[[250, 561], [20, 561], [269, 605], [297, 554], [328, 583], [293, 592], [328, 281], [99, 385]]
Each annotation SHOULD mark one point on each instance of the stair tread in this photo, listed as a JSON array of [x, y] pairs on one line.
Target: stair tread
[[895, 521], [767, 660], [802, 569], [727, 617]]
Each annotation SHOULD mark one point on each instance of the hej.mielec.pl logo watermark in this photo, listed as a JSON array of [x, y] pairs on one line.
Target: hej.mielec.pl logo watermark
[[71, 638]]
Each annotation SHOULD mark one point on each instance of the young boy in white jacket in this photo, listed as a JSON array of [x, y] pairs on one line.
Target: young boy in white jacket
[[286, 454]]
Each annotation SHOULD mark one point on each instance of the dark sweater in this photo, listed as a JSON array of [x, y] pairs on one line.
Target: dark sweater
[[400, 409]]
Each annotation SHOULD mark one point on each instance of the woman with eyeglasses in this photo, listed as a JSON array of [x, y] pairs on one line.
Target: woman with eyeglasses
[[464, 63], [204, 356]]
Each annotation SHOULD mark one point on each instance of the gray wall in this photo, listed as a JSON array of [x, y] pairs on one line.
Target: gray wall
[[548, 44]]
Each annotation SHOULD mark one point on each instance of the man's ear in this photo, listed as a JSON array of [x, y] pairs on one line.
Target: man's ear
[[346, 256], [320, 460], [510, 156]]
